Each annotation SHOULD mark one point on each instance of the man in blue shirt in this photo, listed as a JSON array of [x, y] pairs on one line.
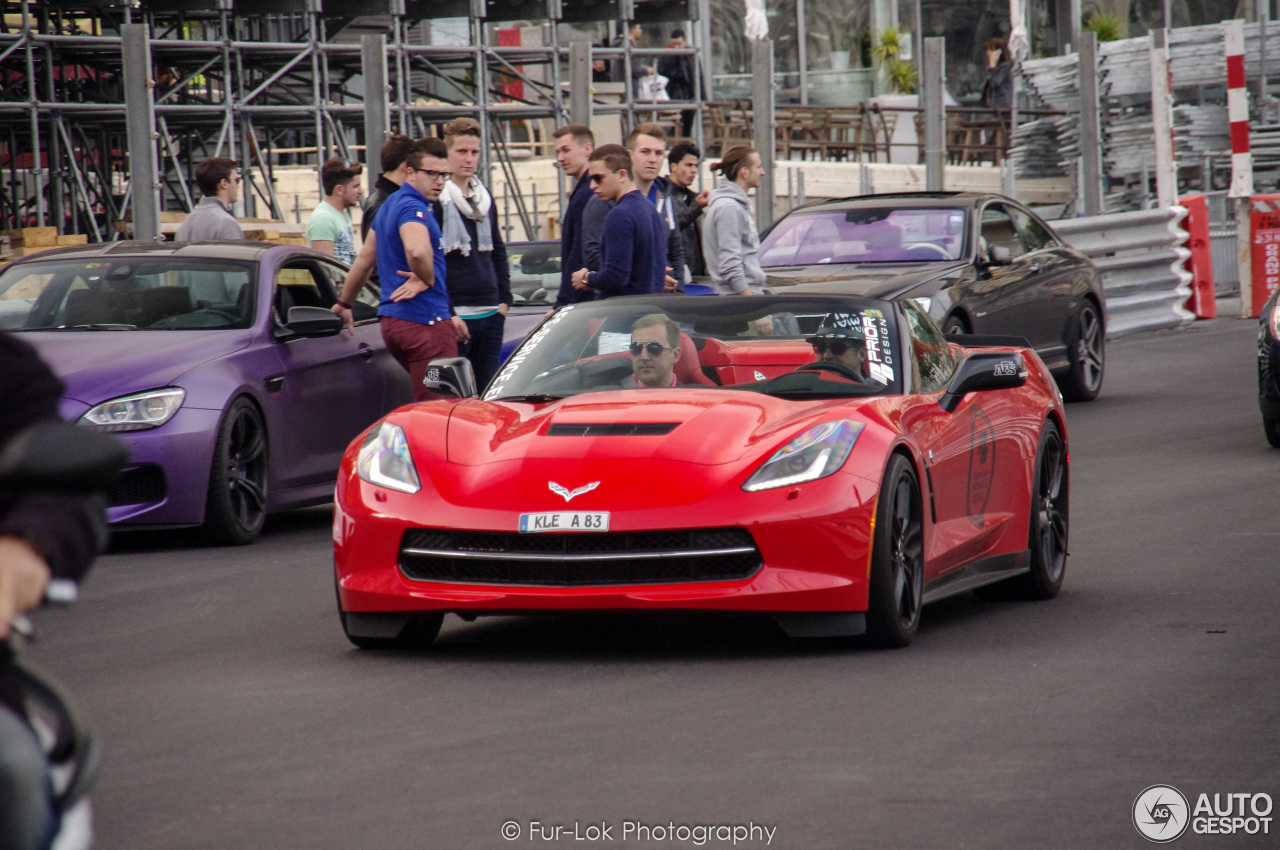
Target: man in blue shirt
[[633, 248], [418, 321]]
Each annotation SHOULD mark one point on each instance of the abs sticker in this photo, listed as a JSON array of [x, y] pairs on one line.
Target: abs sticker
[[1006, 368], [982, 464]]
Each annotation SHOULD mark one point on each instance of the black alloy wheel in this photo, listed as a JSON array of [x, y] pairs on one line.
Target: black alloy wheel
[[1047, 537], [953, 325], [237, 504], [1086, 349], [1272, 429], [897, 560]]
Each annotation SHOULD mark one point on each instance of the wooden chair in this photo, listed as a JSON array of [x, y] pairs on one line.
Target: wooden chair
[[847, 133]]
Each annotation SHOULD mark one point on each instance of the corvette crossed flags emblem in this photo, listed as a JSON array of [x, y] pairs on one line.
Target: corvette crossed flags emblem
[[570, 494]]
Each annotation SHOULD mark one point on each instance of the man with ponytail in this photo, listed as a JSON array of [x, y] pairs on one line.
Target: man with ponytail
[[730, 242]]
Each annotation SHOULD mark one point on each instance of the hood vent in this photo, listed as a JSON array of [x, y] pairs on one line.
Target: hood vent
[[612, 429]]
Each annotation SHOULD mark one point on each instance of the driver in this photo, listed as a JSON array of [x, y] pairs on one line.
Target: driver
[[655, 348], [843, 343]]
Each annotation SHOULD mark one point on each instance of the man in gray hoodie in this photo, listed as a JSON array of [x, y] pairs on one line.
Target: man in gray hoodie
[[730, 243]]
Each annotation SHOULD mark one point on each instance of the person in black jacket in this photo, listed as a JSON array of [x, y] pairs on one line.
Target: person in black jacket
[[43, 535], [574, 144], [474, 253], [395, 151], [682, 165], [679, 72]]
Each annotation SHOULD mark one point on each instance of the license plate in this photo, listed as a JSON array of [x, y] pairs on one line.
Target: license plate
[[564, 521]]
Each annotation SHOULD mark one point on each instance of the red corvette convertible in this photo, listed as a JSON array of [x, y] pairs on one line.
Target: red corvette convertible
[[832, 461]]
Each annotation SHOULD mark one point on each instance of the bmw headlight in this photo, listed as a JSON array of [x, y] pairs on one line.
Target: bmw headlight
[[815, 454], [385, 460], [136, 412]]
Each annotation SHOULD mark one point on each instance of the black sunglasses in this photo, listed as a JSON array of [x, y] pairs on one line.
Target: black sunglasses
[[596, 178], [654, 348], [836, 348]]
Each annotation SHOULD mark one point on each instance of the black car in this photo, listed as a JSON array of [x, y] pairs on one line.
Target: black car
[[978, 263], [1269, 369]]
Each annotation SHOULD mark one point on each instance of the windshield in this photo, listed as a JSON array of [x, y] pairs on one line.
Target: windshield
[[865, 235], [127, 293], [758, 344], [535, 272]]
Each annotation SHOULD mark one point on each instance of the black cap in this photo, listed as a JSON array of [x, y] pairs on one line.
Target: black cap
[[846, 327]]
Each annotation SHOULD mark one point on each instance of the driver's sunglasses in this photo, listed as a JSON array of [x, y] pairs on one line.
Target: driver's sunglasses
[[654, 348], [836, 348]]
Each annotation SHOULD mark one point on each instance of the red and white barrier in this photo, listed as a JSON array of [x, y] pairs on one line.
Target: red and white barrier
[[1238, 111]]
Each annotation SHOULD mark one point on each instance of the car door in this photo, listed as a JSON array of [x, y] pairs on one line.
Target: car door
[[963, 452], [1009, 290], [397, 390], [1055, 269], [327, 389]]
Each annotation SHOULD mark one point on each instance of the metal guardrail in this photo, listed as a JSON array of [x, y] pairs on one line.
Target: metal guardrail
[[1140, 256]]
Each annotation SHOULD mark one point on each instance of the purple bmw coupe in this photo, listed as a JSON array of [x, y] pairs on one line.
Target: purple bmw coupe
[[219, 363]]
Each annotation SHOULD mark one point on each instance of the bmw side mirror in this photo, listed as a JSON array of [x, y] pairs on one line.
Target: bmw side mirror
[[451, 376], [313, 322], [984, 370]]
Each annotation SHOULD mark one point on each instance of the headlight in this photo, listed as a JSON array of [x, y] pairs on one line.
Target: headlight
[[136, 412], [385, 460], [815, 454], [923, 302]]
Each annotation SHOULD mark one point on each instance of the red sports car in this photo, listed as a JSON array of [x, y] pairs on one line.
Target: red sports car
[[832, 461]]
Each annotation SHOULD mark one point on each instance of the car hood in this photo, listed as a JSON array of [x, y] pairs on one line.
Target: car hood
[[851, 279], [99, 365], [708, 427]]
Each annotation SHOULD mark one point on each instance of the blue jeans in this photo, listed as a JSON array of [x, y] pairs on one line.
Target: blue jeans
[[27, 819], [484, 349]]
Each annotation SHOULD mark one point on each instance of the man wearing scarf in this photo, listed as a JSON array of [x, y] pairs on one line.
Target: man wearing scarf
[[475, 256]]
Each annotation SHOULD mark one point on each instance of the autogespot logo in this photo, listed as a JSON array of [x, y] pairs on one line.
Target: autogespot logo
[[1160, 813]]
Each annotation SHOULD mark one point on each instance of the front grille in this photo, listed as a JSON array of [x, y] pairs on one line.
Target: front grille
[[612, 429], [138, 486], [576, 560]]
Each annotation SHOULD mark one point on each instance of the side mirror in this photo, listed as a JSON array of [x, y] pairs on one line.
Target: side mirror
[[984, 370], [451, 376], [313, 321]]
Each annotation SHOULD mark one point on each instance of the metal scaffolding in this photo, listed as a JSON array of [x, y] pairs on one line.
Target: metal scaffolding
[[108, 99]]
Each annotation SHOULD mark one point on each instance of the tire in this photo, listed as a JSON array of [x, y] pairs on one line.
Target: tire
[[953, 325], [417, 633], [1272, 429], [1086, 348], [237, 504], [897, 559], [1047, 533]]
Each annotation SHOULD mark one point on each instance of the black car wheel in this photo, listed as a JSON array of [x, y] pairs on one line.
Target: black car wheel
[[1272, 427], [1086, 348], [954, 326], [1047, 538], [237, 504], [897, 560]]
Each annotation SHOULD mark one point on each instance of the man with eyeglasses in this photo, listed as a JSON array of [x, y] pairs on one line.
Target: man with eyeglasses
[[842, 342], [633, 249], [655, 349], [219, 182], [418, 321]]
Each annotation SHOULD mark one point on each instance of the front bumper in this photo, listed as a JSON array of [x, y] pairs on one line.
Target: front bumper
[[813, 542], [167, 479]]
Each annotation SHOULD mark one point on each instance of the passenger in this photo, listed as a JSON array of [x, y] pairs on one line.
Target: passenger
[[845, 345], [655, 348]]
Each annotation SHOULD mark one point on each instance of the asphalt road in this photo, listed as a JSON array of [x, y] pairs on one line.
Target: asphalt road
[[235, 715]]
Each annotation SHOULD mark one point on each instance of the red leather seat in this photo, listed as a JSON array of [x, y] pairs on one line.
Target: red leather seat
[[688, 370]]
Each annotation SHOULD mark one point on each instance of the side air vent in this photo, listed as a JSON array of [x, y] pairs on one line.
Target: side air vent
[[612, 429]]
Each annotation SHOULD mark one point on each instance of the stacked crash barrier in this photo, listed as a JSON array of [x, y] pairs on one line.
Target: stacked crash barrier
[[1141, 257]]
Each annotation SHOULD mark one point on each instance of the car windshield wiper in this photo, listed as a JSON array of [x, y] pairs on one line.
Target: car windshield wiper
[[532, 398], [100, 326]]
